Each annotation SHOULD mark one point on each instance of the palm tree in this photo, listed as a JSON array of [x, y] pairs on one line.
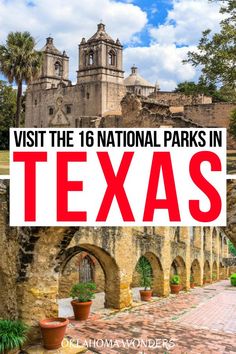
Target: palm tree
[[20, 63]]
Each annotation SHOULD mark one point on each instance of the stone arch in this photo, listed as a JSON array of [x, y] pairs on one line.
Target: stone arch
[[196, 271], [91, 57], [109, 266], [82, 267], [157, 273], [214, 271], [222, 271], [178, 267], [207, 271], [58, 68], [112, 57]]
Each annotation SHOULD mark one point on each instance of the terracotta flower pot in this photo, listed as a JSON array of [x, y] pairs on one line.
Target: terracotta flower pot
[[81, 309], [192, 285], [145, 295], [175, 288], [53, 331]]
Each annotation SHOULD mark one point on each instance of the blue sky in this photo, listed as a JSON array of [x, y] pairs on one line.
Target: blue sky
[[156, 34]]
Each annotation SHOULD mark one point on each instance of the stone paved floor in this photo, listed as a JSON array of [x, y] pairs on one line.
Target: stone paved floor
[[201, 321], [65, 309]]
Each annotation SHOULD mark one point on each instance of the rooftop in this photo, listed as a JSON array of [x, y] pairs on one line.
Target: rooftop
[[101, 34]]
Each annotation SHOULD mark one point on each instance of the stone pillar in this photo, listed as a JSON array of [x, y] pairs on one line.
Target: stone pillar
[[38, 290], [185, 237], [165, 232], [218, 254], [8, 261], [197, 242]]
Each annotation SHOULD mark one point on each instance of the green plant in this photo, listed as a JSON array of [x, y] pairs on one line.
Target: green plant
[[20, 63], [214, 276], [175, 280], [83, 292], [191, 278], [233, 279], [13, 334], [145, 271]]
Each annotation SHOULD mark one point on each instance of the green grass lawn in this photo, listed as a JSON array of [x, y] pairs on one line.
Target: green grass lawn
[[4, 162]]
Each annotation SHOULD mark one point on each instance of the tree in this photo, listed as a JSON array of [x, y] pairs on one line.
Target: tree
[[222, 94], [7, 113], [216, 54], [20, 63], [192, 88], [232, 123], [232, 249]]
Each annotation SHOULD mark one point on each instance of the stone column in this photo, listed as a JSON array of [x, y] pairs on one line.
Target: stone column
[[8, 260], [165, 232]]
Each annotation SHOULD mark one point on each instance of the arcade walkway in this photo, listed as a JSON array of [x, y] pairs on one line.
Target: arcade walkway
[[200, 321]]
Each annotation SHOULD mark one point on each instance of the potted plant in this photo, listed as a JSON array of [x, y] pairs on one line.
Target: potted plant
[[13, 334], [233, 279], [214, 276], [175, 285], [145, 271], [82, 294], [53, 331], [192, 281], [204, 280]]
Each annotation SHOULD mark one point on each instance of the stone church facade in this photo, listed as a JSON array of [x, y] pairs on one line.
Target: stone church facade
[[52, 101]]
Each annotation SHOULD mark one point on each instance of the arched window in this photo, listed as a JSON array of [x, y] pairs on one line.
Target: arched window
[[50, 111], [111, 58], [58, 69], [91, 58]]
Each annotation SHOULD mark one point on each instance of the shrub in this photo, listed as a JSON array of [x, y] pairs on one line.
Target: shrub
[[214, 276], [175, 280], [191, 278], [145, 271], [233, 279], [13, 334], [232, 124], [83, 292]]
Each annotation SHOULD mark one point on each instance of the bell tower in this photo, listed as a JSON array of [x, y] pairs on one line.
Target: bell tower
[[100, 77], [55, 68]]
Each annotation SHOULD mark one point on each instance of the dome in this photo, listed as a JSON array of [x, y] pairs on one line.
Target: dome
[[134, 79]]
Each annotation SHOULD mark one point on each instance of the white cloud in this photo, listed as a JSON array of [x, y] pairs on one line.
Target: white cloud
[[162, 63], [170, 42], [186, 21], [69, 21]]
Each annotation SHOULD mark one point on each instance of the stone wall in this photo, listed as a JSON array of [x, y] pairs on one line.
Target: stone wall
[[9, 249], [179, 99], [210, 115]]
